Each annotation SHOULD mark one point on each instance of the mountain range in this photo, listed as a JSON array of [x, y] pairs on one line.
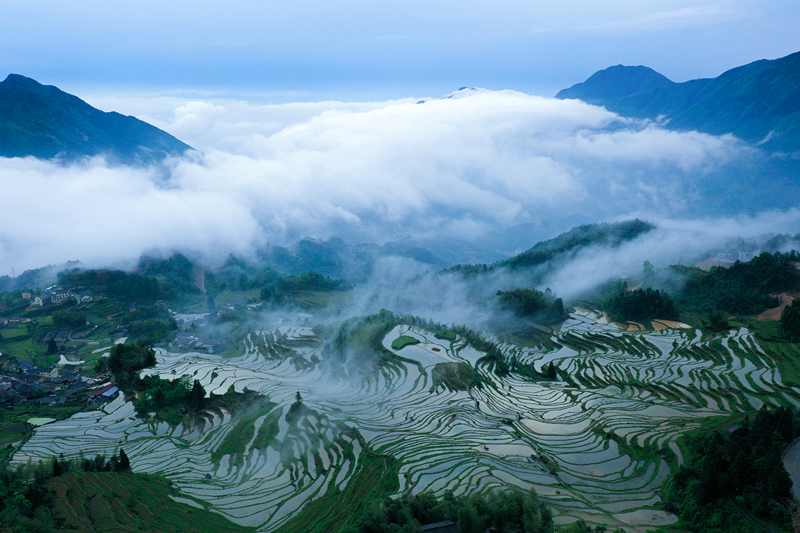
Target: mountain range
[[46, 122], [758, 102]]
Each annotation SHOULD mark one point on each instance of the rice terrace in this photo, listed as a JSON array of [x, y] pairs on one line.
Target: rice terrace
[[590, 418]]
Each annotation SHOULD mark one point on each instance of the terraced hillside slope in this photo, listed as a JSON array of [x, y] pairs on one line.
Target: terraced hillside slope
[[596, 445], [96, 502]]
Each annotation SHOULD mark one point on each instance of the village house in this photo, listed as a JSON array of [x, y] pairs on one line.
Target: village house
[[39, 301], [59, 294], [106, 392]]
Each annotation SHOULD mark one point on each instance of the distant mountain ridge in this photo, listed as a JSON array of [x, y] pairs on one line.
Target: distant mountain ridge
[[615, 83], [758, 102], [46, 122]]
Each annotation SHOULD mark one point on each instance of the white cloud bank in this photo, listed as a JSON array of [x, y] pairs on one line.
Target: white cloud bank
[[366, 171]]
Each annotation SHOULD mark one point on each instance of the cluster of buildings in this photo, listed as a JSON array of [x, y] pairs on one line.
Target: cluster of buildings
[[14, 320], [32, 384], [55, 295], [730, 258]]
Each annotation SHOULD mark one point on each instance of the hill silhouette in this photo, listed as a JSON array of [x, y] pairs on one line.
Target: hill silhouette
[[46, 122], [758, 102]]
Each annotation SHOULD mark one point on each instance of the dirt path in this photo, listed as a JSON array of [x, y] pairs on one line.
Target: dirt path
[[750, 518]]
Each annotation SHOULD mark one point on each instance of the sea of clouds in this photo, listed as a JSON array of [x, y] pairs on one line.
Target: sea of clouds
[[462, 166]]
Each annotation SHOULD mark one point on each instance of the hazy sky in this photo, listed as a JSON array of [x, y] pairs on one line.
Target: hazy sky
[[356, 50]]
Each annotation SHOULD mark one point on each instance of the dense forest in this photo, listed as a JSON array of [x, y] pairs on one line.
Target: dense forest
[[743, 288], [740, 468]]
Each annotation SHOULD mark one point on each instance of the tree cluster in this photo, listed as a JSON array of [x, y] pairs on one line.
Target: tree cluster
[[152, 322], [127, 359], [501, 511], [236, 274], [469, 270], [135, 287], [77, 277], [534, 304], [158, 393], [790, 321], [742, 465], [153, 328], [121, 285], [69, 318], [177, 273], [641, 304]]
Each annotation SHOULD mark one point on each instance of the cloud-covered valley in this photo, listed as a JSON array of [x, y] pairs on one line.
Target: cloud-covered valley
[[465, 166]]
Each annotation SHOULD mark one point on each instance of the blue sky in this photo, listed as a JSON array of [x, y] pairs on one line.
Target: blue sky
[[357, 50]]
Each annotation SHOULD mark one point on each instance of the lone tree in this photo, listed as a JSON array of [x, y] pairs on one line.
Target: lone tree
[[298, 397], [52, 347], [123, 463], [198, 395]]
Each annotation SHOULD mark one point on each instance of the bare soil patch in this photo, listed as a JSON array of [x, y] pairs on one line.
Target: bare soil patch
[[775, 313]]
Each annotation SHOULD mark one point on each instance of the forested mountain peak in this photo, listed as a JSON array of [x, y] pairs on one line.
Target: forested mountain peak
[[758, 102]]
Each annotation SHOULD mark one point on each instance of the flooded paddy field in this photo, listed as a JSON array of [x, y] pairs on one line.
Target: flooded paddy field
[[569, 441]]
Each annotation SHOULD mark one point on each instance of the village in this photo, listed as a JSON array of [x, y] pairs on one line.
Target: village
[[29, 374], [49, 385]]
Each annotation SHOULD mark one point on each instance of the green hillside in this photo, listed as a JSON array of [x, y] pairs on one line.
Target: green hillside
[[613, 234]]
